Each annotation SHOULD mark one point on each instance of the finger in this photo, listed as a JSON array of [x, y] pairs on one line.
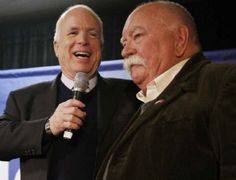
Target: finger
[[73, 124], [74, 103], [72, 119], [75, 112]]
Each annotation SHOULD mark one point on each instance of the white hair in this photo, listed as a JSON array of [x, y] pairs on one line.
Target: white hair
[[133, 60], [58, 23]]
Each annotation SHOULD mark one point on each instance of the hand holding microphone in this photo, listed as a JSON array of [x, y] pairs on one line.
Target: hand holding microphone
[[70, 110], [80, 86]]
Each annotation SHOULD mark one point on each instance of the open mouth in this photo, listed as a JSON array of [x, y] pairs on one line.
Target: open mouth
[[82, 55]]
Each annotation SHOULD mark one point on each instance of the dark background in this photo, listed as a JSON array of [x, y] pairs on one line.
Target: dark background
[[27, 27]]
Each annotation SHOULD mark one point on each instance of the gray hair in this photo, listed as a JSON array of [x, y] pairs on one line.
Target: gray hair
[[58, 23]]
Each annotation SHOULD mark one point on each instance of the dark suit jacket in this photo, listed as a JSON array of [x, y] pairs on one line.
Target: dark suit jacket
[[187, 133], [27, 109]]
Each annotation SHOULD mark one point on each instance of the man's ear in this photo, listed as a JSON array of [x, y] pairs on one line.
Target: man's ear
[[182, 37], [56, 47]]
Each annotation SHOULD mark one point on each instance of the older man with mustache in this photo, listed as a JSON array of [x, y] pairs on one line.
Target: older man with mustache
[[185, 129]]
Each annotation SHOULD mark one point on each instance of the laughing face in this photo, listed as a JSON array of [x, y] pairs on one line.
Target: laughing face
[[78, 44]]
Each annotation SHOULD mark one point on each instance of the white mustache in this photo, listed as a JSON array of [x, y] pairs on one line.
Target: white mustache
[[132, 60]]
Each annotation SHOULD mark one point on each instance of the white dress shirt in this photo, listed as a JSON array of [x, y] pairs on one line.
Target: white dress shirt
[[70, 83], [156, 86]]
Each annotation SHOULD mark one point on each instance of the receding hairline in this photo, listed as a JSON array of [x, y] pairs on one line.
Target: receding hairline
[[71, 8]]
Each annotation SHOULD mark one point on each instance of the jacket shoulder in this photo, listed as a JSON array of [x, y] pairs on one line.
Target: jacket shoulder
[[121, 83], [33, 87], [219, 70]]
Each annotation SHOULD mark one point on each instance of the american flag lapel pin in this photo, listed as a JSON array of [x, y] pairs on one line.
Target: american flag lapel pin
[[160, 101]]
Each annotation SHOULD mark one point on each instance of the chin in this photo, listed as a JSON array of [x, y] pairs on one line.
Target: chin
[[136, 77], [136, 81]]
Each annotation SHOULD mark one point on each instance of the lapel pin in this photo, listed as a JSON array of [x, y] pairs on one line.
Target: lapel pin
[[160, 101]]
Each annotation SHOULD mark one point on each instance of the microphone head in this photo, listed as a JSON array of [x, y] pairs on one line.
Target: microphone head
[[81, 82]]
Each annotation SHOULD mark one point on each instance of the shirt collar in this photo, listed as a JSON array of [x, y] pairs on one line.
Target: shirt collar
[[70, 83], [157, 86]]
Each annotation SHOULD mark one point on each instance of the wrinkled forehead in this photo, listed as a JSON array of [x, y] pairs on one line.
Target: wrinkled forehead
[[81, 16], [134, 20], [139, 18], [149, 16]]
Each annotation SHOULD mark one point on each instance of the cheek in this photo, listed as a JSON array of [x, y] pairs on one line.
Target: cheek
[[147, 49], [64, 48], [152, 54], [96, 58], [97, 53]]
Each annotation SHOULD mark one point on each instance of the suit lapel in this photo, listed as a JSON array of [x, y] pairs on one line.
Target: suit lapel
[[48, 100]]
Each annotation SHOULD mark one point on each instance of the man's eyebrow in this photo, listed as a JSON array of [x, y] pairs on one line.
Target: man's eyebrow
[[122, 40], [135, 28], [88, 28], [93, 29], [73, 28]]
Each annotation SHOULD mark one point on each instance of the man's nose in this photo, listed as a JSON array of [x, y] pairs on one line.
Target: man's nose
[[82, 39], [128, 50]]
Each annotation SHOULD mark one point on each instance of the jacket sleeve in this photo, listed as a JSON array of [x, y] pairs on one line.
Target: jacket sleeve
[[223, 124], [19, 137]]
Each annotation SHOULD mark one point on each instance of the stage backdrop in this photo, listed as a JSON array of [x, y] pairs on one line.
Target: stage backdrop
[[13, 79]]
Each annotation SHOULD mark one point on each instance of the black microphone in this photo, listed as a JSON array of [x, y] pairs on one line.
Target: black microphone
[[81, 83]]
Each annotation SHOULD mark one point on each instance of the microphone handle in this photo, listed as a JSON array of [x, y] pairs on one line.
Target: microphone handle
[[77, 95], [68, 133]]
